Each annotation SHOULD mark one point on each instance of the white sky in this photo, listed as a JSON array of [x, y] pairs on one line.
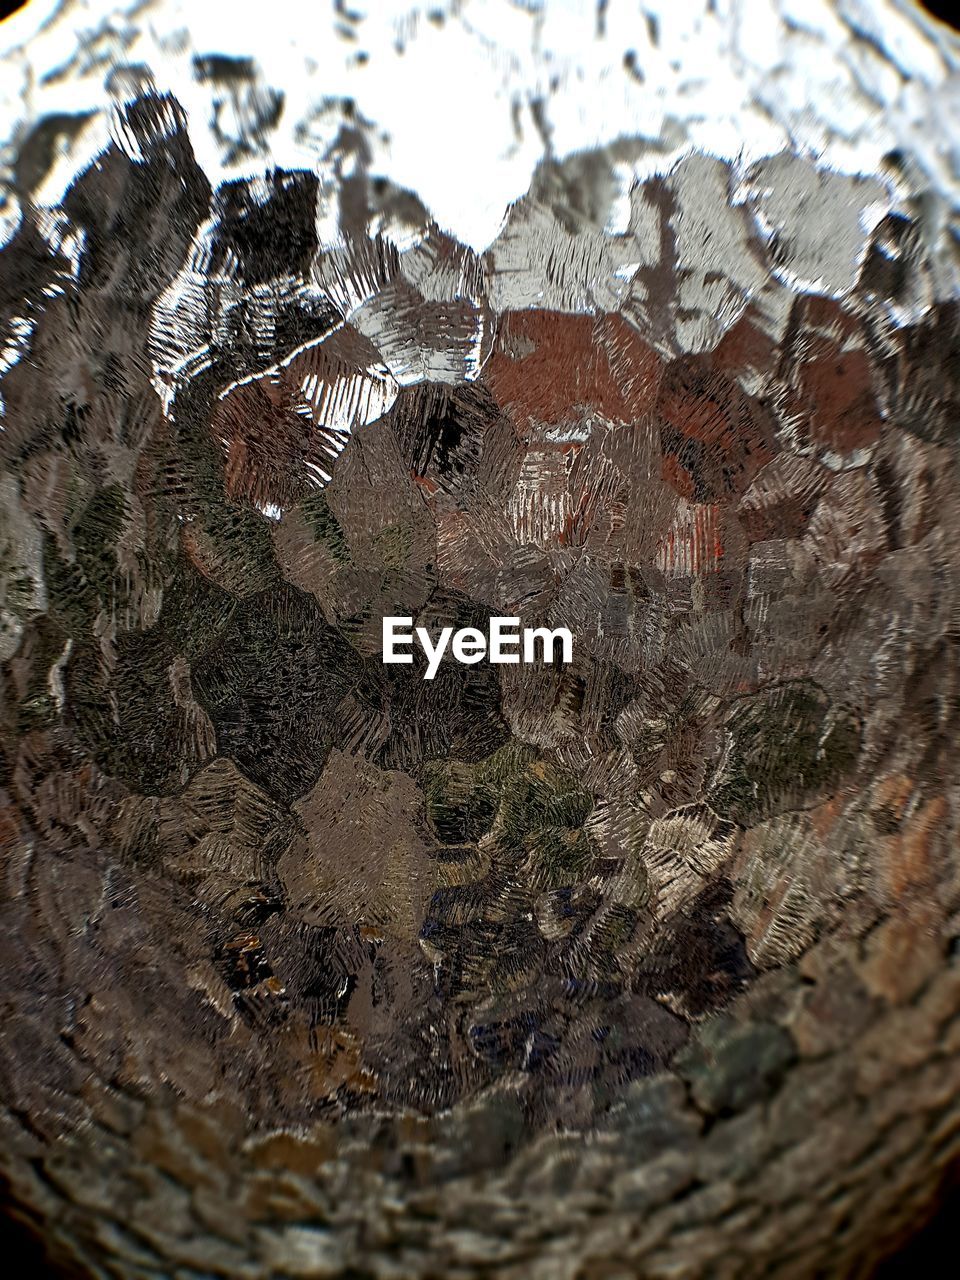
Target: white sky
[[457, 106]]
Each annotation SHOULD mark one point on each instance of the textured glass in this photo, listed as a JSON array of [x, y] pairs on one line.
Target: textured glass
[[640, 321]]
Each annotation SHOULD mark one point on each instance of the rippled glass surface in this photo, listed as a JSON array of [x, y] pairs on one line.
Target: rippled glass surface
[[638, 321]]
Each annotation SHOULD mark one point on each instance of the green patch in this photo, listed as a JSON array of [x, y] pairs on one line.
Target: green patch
[[241, 542], [324, 526], [195, 611], [542, 796], [460, 806], [125, 715], [534, 810], [95, 538], [505, 764], [393, 545], [71, 600], [37, 708], [36, 712], [786, 746], [558, 856]]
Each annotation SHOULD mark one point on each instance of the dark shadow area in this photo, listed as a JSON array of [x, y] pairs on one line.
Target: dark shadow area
[[921, 1256], [18, 1241], [945, 10], [924, 1255], [7, 7]]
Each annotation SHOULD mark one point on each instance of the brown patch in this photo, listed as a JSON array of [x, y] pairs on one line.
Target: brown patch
[[285, 1151], [715, 439], [831, 398], [910, 859], [278, 428], [745, 349], [549, 367], [265, 443], [781, 499], [837, 396], [901, 955]]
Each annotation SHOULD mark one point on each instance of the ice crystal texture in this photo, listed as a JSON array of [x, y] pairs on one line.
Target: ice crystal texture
[[642, 322]]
